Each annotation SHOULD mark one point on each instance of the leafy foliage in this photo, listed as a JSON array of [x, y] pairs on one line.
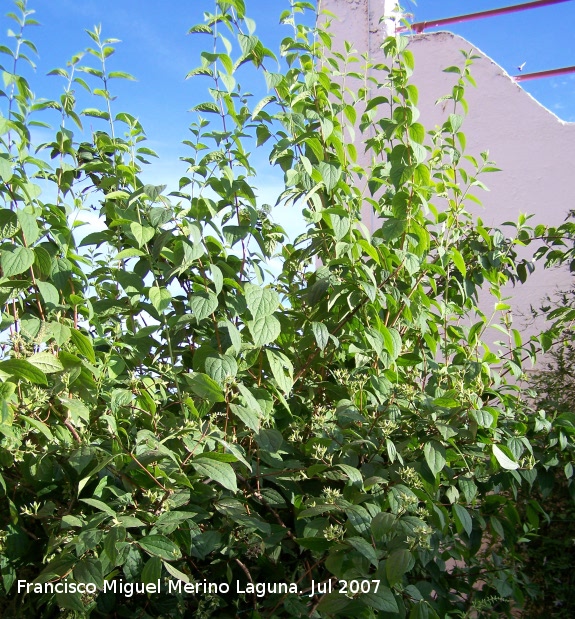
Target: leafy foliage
[[549, 557], [172, 410]]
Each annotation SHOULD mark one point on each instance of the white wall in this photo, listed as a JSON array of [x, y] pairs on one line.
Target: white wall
[[534, 149]]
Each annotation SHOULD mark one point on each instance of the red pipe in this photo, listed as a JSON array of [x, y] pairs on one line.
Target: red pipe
[[549, 73], [419, 27]]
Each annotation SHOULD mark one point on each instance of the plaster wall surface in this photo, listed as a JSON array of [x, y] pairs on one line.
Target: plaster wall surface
[[534, 149]]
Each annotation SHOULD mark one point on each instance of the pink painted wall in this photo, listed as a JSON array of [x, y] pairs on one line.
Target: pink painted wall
[[534, 148]]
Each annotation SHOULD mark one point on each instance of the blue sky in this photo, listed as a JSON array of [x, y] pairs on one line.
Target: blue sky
[[156, 50]]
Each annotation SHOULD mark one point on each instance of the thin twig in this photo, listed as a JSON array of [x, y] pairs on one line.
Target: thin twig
[[249, 576], [156, 481]]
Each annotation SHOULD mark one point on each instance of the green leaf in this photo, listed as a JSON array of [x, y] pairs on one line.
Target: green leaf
[[411, 263], [229, 81], [9, 224], [234, 334], [220, 457], [95, 113], [121, 75], [71, 601], [504, 460], [7, 390], [6, 413], [468, 488], [221, 367], [382, 524], [446, 402], [393, 228], [89, 570], [49, 293], [172, 520], [422, 610], [339, 224], [331, 604], [458, 261], [130, 522], [217, 277], [417, 133], [353, 474], [131, 252], [160, 298], [462, 518], [100, 506], [352, 150], [483, 417], [61, 333], [260, 106], [282, 370], [79, 412], [398, 563], [207, 106], [359, 517], [273, 79], [250, 399], [455, 122], [330, 174], [317, 544], [71, 522], [203, 304], [326, 127], [248, 416], [152, 571], [365, 549], [392, 341], [20, 368], [376, 341], [205, 387], [29, 226], [247, 43], [84, 345], [117, 195], [419, 152], [434, 456], [270, 440], [16, 260], [176, 573], [382, 599], [39, 425], [160, 546], [264, 330], [132, 566], [5, 170], [200, 28], [47, 362], [120, 397], [261, 301], [142, 234], [220, 472], [115, 536], [321, 334]]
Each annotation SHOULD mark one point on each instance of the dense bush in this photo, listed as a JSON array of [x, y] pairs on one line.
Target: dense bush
[[549, 557], [172, 411]]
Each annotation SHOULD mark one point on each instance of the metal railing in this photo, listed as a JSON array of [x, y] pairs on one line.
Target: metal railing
[[523, 77], [419, 27]]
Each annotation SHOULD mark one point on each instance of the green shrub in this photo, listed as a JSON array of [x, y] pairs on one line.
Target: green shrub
[[172, 411], [549, 557]]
